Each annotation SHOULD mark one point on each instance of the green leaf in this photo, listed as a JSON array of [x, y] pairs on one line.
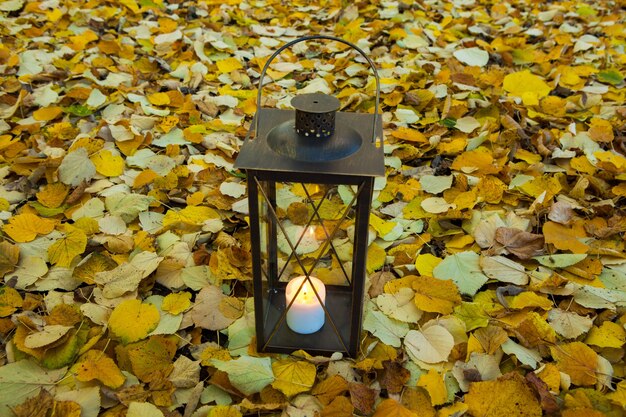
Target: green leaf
[[473, 315], [47, 211], [22, 380], [464, 270], [560, 260], [248, 374], [611, 76], [389, 331], [448, 122], [79, 110]]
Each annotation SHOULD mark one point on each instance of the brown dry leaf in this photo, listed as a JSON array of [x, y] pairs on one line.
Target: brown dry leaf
[[491, 338], [37, 406], [362, 397], [548, 401], [395, 377], [67, 409], [215, 311], [9, 256], [507, 396], [522, 244]]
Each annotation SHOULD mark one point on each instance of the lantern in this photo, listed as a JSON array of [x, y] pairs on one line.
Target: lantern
[[310, 174]]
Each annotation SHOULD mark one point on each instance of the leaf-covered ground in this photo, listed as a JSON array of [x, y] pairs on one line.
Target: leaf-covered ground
[[497, 280]]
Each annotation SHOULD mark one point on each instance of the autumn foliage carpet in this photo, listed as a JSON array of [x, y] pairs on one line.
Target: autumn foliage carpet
[[497, 277]]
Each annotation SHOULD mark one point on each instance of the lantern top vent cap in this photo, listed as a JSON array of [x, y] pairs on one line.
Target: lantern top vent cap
[[315, 103]]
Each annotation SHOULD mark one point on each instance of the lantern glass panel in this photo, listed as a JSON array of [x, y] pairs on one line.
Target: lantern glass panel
[[307, 230]]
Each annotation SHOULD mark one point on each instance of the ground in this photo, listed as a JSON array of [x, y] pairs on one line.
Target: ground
[[495, 275]]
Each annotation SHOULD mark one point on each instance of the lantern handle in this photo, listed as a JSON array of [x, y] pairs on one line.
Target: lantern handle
[[331, 38]]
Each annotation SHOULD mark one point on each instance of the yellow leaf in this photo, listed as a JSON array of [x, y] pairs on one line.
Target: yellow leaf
[[582, 164], [53, 195], [529, 299], [339, 407], [47, 113], [507, 396], [330, 388], [191, 215], [478, 161], [608, 335], [601, 130], [131, 320], [159, 99], [144, 178], [26, 226], [392, 408], [425, 263], [376, 257], [381, 226], [97, 365], [577, 360], [214, 351], [434, 383], [293, 377], [611, 161], [10, 301], [176, 303], [4, 204], [549, 185], [408, 134], [108, 164], [228, 65], [224, 411], [459, 241], [619, 395], [64, 250], [79, 42], [436, 295], [551, 375], [526, 85]]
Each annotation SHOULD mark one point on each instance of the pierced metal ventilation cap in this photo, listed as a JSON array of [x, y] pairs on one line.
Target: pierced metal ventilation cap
[[315, 114]]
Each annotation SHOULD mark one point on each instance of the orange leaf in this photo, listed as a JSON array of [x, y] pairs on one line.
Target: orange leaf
[[566, 238], [47, 113], [97, 365], [392, 408]]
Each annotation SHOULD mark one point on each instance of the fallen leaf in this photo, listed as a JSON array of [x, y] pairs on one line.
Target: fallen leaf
[[293, 377], [522, 244], [249, 375], [132, 320], [97, 365], [435, 295], [431, 345], [507, 396], [578, 361]]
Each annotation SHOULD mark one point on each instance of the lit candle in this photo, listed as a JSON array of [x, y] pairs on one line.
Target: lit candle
[[306, 314]]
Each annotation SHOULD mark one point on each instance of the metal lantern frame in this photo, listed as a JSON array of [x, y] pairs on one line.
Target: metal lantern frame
[[278, 149]]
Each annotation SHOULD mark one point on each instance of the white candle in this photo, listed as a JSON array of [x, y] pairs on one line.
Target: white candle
[[306, 314]]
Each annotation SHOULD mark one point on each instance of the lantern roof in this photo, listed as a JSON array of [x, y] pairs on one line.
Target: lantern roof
[[350, 151]]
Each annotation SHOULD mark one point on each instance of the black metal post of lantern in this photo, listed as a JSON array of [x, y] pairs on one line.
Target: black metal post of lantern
[[310, 176]]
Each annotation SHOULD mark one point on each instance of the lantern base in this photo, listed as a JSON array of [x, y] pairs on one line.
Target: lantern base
[[322, 342]]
